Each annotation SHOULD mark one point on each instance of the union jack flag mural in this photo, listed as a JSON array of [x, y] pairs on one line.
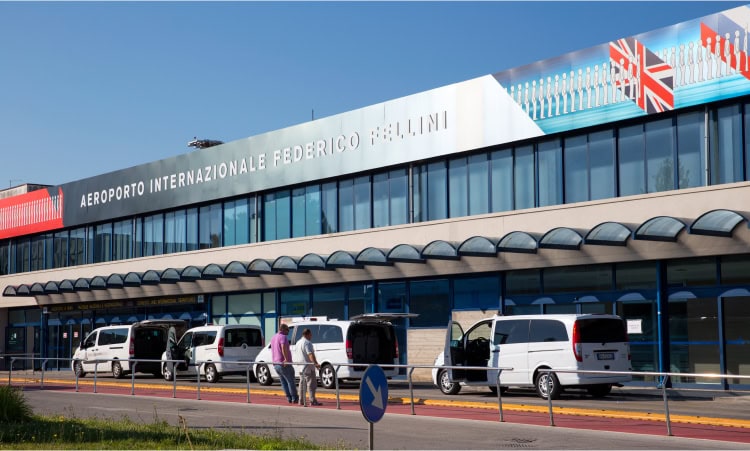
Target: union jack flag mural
[[642, 76]]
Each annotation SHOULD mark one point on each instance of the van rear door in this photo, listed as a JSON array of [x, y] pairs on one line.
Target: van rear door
[[601, 344]]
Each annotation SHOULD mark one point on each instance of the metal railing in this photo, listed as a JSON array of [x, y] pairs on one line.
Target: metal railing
[[662, 378]]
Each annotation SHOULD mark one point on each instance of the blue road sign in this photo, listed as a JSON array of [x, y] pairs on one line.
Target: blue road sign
[[373, 394]]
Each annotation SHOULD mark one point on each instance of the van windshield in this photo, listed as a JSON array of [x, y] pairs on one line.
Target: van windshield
[[601, 330]]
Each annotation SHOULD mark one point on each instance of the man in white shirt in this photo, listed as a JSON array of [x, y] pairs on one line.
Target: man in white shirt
[[304, 352]]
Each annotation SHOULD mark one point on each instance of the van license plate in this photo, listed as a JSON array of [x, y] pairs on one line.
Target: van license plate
[[605, 356]]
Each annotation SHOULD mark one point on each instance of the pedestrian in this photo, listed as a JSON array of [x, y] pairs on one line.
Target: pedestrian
[[305, 352], [282, 363]]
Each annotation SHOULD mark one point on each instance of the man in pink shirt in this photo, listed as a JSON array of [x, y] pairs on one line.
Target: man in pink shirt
[[282, 363]]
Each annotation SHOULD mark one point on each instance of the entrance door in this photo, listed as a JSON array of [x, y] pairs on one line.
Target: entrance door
[[736, 317], [640, 317]]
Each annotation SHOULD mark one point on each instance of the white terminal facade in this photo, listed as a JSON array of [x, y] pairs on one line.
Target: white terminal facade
[[613, 179]]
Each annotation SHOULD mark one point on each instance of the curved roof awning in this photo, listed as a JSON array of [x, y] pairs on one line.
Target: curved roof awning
[[212, 271], [82, 283], [190, 274], [561, 238], [660, 228], [342, 259], [135, 279], [312, 261], [478, 246], [36, 288], [716, 223], [66, 285], [259, 266], [373, 256], [405, 253], [98, 283], [286, 264], [10, 290], [608, 234], [115, 281], [170, 275], [518, 242], [441, 250], [51, 288], [235, 269]]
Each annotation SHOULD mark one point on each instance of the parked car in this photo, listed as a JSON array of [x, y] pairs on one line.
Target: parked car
[[222, 347], [526, 344], [115, 346], [364, 339]]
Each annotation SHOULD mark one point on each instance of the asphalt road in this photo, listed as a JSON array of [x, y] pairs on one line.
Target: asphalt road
[[348, 428]]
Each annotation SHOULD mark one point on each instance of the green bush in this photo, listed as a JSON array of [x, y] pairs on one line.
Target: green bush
[[13, 406]]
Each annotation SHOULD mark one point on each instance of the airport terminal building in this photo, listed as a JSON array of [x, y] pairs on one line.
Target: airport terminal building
[[613, 179]]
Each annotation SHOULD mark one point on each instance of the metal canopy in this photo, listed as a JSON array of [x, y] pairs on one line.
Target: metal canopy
[[660, 228], [478, 246], [441, 250], [373, 256], [312, 261], [608, 234], [518, 242], [405, 253], [716, 223], [342, 259]]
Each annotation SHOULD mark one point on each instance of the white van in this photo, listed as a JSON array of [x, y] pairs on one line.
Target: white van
[[368, 338], [114, 346], [530, 343], [221, 346]]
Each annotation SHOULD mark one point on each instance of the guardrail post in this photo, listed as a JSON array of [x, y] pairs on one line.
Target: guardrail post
[[499, 395], [248, 382], [10, 373], [550, 376], [96, 371], [198, 367], [174, 378], [132, 365], [44, 364], [411, 391], [336, 382], [666, 404]]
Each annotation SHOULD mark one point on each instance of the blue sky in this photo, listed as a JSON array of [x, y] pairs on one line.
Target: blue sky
[[88, 88]]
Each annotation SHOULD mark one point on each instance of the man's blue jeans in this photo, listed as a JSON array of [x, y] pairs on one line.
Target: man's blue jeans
[[286, 376]]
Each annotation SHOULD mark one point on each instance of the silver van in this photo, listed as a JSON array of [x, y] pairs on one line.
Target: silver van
[[524, 345]]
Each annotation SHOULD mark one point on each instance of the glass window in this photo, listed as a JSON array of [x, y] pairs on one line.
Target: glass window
[[380, 197], [398, 181], [437, 191], [329, 301], [578, 278], [295, 302], [477, 293], [458, 180], [312, 210], [153, 235], [735, 269], [479, 184], [523, 177], [191, 218], [511, 331], [691, 150], [4, 257], [602, 165], [103, 243], [60, 244], [736, 318], [360, 299], [122, 245], [635, 275], [631, 161], [525, 281], [419, 194], [431, 300], [77, 247], [660, 153], [550, 173], [694, 339], [392, 297], [501, 162], [41, 252], [277, 210], [299, 213], [726, 140], [329, 202], [175, 231], [642, 335], [692, 272], [576, 169], [362, 203], [547, 330], [236, 222], [346, 205]]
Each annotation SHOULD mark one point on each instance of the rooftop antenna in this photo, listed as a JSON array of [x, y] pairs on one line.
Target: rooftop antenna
[[203, 143]]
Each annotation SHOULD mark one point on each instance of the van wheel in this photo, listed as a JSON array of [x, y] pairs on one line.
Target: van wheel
[[327, 376], [212, 376], [167, 372], [542, 384], [599, 390], [446, 386], [78, 369], [263, 375], [116, 370]]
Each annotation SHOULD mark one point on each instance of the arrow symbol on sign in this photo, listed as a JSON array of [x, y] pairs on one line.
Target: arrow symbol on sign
[[377, 396]]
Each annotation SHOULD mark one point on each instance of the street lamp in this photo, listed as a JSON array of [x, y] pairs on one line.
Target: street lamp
[[203, 143]]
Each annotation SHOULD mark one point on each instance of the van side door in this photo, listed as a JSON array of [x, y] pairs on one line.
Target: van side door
[[549, 345], [87, 351], [508, 349]]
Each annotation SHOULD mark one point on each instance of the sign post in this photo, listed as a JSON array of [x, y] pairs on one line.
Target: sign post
[[373, 396]]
